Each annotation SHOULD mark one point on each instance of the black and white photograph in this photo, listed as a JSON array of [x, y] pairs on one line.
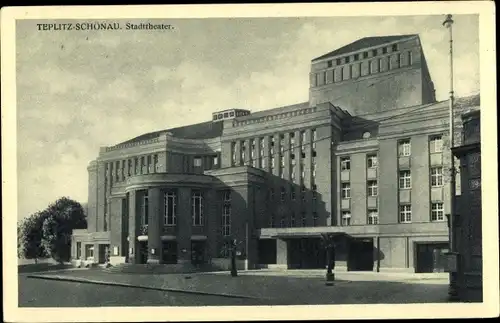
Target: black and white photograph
[[257, 161]]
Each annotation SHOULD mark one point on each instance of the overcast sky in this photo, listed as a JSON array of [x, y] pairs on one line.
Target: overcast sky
[[79, 90]]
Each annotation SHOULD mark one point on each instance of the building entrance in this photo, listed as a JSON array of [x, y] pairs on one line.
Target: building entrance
[[143, 252], [103, 249], [430, 257], [306, 253], [198, 252], [360, 257], [169, 252]]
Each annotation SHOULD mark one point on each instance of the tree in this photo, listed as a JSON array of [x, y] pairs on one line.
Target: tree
[[61, 217], [29, 237]]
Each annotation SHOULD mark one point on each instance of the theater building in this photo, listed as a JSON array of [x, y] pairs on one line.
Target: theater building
[[366, 158]]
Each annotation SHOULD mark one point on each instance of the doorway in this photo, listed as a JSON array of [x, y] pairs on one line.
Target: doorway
[[169, 252], [103, 249], [143, 252], [430, 257], [197, 252], [360, 256]]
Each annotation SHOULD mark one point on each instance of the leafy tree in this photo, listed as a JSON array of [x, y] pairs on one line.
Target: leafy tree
[[61, 217], [29, 237]]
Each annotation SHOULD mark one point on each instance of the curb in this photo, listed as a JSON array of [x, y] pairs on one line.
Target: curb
[[100, 282]]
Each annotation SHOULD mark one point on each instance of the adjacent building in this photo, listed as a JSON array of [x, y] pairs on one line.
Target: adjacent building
[[366, 158]]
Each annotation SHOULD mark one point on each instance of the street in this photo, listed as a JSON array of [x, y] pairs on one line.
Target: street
[[250, 288]]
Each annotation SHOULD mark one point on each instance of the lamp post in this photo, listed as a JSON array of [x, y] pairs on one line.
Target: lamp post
[[448, 23]]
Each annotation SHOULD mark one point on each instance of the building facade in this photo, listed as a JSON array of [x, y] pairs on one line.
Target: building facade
[[370, 166]]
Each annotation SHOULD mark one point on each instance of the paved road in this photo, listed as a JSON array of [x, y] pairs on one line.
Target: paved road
[[48, 293]]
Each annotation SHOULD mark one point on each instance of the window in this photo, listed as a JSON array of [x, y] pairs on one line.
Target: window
[[436, 144], [272, 145], [292, 194], [282, 161], [155, 163], [303, 137], [394, 47], [356, 57], [437, 212], [405, 147], [345, 163], [231, 114], [303, 193], [197, 207], [89, 251], [346, 218], [78, 250], [315, 219], [271, 221], [371, 68], [292, 220], [226, 114], [410, 58], [372, 188], [405, 213], [282, 172], [329, 63], [405, 179], [384, 50], [302, 172], [338, 61], [215, 160], [197, 162], [145, 211], [272, 162], [117, 167], [399, 60], [346, 190], [215, 117], [226, 214], [372, 161], [170, 209], [365, 55], [374, 52], [219, 116], [282, 222], [346, 60], [283, 192], [129, 167], [242, 152], [372, 217], [233, 152], [314, 190], [303, 219], [137, 171], [437, 176], [380, 65]]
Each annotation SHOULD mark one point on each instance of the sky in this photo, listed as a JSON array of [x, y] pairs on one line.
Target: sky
[[81, 90]]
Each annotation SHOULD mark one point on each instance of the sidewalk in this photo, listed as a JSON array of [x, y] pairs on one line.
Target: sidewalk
[[279, 288]]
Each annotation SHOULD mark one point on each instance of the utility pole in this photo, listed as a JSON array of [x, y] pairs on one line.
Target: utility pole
[[448, 23]]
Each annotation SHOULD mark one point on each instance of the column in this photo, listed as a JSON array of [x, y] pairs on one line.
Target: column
[[282, 252], [132, 225], [134, 166], [266, 156], [154, 225], [184, 224], [237, 153], [248, 152]]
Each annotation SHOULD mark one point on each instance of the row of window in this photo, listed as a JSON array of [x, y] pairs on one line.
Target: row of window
[[364, 55], [230, 114], [260, 160], [371, 162], [356, 70], [292, 222], [435, 146], [120, 169], [293, 194], [170, 208], [437, 214]]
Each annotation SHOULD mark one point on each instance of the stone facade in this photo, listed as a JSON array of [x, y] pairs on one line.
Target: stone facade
[[275, 179]]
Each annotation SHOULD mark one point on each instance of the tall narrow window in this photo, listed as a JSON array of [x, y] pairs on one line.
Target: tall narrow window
[[395, 47], [404, 148], [314, 191], [242, 153], [149, 164], [292, 194], [404, 179], [145, 210], [372, 161], [137, 165], [282, 144], [405, 213], [233, 153], [437, 212], [372, 217], [272, 146], [226, 213], [129, 171], [410, 58], [314, 138], [380, 66], [303, 219], [303, 138], [372, 188], [117, 171], [292, 220], [436, 144], [399, 60], [345, 163], [346, 190], [283, 193], [303, 193], [197, 208], [346, 218], [170, 208], [273, 163], [437, 176], [143, 165]]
